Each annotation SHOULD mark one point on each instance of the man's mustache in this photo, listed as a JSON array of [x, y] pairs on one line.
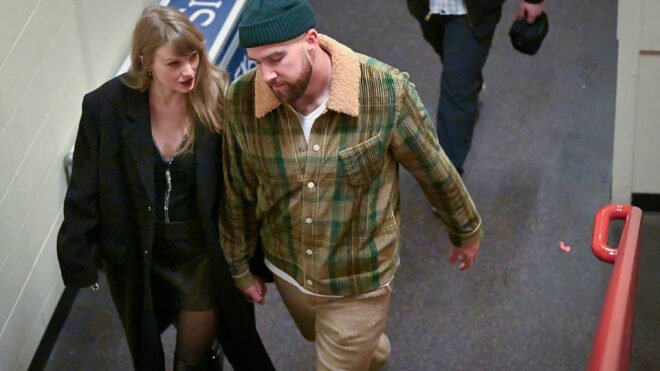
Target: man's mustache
[[278, 82]]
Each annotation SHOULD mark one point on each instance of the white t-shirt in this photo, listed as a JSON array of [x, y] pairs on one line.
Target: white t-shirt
[[308, 121], [447, 7]]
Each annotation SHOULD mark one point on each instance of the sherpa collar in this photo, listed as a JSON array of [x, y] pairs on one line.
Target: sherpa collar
[[344, 82]]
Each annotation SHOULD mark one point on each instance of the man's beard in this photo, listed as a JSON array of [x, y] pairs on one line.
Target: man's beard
[[293, 92]]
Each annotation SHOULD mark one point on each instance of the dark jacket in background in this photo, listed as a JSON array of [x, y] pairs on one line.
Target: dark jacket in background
[[483, 15], [108, 211]]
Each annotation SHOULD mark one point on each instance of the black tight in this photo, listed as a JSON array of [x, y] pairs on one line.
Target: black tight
[[194, 337]]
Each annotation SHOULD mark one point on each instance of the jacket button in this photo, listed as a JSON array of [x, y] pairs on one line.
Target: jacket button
[[146, 252], [149, 208]]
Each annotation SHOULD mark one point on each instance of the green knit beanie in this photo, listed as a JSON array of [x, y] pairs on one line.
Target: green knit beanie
[[273, 21]]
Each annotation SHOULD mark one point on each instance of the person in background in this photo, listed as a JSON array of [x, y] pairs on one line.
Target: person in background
[[313, 140], [144, 195], [461, 32]]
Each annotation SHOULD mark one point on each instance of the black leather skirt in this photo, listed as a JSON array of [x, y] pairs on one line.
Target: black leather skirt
[[180, 260]]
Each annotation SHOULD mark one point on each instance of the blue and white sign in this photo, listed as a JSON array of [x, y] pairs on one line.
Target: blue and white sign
[[234, 57]]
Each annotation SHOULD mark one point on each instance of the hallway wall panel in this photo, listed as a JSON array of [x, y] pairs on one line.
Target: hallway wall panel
[[51, 53]]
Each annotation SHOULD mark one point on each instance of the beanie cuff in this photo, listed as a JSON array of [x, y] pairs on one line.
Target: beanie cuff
[[283, 27]]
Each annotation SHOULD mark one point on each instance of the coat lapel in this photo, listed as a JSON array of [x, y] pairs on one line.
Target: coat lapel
[[137, 137], [208, 166]]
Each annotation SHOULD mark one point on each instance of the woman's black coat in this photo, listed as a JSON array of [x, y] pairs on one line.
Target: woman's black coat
[[108, 210]]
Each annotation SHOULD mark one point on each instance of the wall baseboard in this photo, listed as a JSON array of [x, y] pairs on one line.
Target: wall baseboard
[[64, 305], [646, 201]]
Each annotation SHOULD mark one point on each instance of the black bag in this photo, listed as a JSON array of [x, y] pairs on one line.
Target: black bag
[[527, 37]]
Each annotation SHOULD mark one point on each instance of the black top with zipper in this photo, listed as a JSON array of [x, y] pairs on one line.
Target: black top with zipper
[[174, 185]]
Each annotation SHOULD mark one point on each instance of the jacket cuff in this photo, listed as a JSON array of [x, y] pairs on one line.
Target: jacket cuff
[[244, 280], [84, 278], [460, 240]]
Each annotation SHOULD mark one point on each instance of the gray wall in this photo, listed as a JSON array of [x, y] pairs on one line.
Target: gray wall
[[51, 53], [637, 122]]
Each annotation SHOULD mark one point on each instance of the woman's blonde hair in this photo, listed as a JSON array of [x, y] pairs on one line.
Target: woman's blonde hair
[[161, 25]]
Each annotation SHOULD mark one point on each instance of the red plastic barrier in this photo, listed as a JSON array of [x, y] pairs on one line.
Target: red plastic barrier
[[612, 346]]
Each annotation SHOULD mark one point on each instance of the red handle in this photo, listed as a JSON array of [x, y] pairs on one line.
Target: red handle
[[613, 343], [602, 228]]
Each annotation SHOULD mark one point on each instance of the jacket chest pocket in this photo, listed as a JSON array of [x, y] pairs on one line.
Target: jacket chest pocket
[[363, 162]]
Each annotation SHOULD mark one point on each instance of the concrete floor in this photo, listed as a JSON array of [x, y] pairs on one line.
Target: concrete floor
[[539, 169]]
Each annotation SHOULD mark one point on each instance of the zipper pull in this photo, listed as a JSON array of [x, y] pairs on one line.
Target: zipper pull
[[428, 16], [166, 203]]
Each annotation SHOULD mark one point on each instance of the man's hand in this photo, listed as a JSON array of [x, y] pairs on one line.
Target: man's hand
[[465, 255], [529, 11], [256, 293]]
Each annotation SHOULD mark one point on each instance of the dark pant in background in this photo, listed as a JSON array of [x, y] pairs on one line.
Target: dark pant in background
[[463, 57]]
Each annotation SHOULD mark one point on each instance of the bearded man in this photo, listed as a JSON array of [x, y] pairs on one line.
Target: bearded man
[[313, 140]]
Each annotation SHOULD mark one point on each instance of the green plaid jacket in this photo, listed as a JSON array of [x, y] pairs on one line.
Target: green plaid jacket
[[327, 211]]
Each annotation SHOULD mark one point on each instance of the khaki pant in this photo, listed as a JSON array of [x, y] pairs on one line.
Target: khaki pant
[[348, 331]]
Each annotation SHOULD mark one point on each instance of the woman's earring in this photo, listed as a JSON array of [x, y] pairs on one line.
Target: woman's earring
[[150, 75]]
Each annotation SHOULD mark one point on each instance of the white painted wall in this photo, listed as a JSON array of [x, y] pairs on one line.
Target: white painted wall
[[51, 53], [637, 122]]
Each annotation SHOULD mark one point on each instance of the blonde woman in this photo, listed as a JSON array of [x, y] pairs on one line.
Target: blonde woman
[[144, 197]]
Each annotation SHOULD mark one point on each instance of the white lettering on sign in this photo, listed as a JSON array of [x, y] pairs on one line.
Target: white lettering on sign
[[246, 65], [216, 4], [210, 13]]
